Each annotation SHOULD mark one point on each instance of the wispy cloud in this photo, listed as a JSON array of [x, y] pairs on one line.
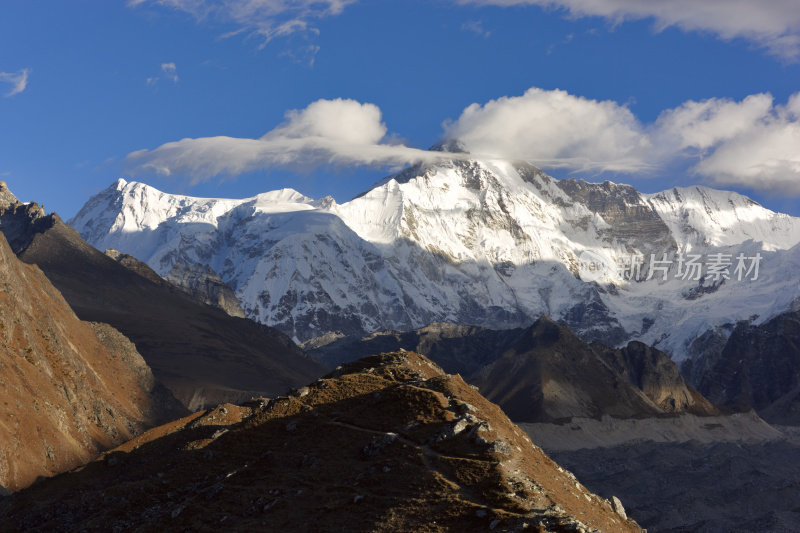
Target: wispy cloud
[[265, 19], [476, 27], [327, 132], [773, 24], [18, 80], [169, 71]]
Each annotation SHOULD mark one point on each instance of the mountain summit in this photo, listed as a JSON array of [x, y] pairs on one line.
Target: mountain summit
[[483, 242]]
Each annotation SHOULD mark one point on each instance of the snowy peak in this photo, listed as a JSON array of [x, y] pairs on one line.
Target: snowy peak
[[700, 216], [484, 242]]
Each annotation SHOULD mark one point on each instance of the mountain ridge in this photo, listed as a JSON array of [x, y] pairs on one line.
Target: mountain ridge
[[487, 243], [405, 447]]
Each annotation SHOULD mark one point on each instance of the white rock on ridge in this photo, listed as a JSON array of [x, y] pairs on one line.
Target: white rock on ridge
[[491, 243]]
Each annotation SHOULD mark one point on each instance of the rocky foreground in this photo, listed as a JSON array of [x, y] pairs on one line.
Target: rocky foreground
[[387, 443]]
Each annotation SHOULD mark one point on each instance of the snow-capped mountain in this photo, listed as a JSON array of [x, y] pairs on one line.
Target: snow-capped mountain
[[491, 243]]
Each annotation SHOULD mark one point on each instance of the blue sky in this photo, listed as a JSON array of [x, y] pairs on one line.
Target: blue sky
[[231, 98]]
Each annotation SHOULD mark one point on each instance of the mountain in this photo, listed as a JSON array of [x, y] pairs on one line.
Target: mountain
[[203, 355], [206, 286], [758, 366], [69, 389], [388, 443], [544, 372], [477, 242], [549, 374]]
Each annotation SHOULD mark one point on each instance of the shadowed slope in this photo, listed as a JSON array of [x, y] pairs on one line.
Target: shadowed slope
[[542, 373], [549, 374]]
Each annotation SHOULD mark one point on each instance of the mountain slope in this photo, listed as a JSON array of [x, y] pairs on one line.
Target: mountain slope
[[389, 443], [759, 367], [201, 354], [69, 389], [549, 374], [488, 243]]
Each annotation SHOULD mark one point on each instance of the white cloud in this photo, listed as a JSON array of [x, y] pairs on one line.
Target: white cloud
[[751, 143], [774, 24], [266, 19], [170, 71], [18, 80], [554, 129], [476, 27], [327, 132]]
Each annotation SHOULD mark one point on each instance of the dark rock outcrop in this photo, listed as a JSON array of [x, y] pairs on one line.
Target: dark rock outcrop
[[758, 367], [549, 374]]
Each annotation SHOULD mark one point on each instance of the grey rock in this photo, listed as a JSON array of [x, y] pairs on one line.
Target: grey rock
[[205, 285], [618, 508]]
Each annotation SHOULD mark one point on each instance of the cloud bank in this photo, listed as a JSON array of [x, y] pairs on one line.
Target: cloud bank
[[774, 24], [752, 143], [339, 132], [18, 80], [266, 19]]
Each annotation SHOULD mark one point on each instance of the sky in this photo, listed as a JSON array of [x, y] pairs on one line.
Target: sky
[[230, 98]]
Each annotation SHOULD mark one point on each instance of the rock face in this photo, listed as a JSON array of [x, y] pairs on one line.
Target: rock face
[[544, 372], [388, 443], [205, 285], [131, 263], [203, 355], [199, 282], [68, 389], [759, 367]]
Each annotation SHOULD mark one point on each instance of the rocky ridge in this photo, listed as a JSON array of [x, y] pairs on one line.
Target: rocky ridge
[[387, 443], [757, 366]]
